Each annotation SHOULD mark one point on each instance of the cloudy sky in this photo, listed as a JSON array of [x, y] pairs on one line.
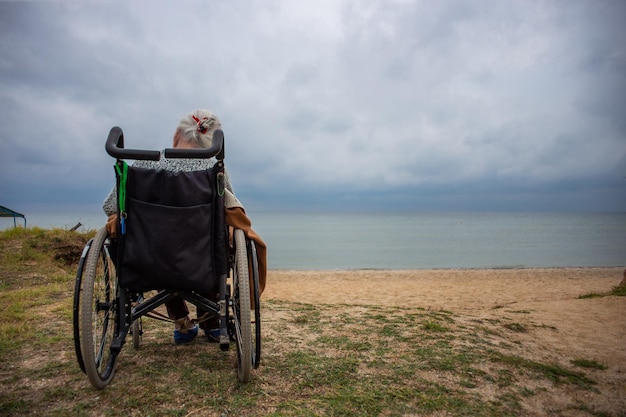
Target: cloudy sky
[[327, 105]]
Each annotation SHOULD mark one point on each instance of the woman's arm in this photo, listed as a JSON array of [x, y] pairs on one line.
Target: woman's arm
[[110, 203]]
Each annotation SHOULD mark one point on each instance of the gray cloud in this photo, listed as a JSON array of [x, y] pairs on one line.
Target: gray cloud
[[350, 104]]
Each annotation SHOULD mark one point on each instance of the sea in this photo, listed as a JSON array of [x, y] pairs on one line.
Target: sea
[[416, 240]]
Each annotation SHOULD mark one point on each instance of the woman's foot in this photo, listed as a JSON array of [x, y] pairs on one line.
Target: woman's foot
[[212, 335], [184, 330], [186, 336]]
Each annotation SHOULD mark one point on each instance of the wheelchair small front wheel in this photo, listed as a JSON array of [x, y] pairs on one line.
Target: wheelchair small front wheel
[[136, 329], [98, 313]]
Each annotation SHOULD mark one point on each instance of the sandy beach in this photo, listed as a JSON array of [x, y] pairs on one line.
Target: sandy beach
[[594, 326], [565, 326]]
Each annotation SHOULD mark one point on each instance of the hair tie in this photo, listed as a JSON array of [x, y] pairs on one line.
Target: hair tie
[[202, 124]]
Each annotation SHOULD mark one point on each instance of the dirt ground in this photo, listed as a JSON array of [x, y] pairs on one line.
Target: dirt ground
[[568, 326]]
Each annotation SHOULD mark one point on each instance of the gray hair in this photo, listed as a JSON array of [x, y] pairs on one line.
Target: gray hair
[[197, 128]]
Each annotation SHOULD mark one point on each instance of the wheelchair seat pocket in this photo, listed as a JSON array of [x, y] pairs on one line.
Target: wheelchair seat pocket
[[167, 247]]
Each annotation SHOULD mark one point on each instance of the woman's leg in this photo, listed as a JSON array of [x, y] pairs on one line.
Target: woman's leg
[[212, 322], [177, 310], [184, 329]]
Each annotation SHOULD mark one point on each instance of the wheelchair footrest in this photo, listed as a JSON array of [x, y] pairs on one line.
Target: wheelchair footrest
[[116, 345], [224, 342]]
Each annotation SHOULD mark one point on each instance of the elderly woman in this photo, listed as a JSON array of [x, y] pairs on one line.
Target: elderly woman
[[195, 130]]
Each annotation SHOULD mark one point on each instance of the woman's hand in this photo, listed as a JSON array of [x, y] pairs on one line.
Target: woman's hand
[[111, 226]]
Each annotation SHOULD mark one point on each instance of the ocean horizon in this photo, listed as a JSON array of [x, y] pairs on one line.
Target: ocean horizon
[[416, 240]]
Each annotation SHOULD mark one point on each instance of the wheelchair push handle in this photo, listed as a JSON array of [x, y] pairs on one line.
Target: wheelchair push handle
[[115, 147]]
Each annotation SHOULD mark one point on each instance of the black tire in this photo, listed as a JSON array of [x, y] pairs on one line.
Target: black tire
[[256, 292], [136, 330], [241, 308], [98, 313], [78, 287]]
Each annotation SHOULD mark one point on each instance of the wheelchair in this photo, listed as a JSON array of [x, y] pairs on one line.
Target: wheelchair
[[172, 241]]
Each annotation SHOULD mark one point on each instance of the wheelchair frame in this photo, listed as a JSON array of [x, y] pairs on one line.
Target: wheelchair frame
[[104, 313]]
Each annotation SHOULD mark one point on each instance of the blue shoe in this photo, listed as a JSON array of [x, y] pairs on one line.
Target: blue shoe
[[212, 335], [181, 338]]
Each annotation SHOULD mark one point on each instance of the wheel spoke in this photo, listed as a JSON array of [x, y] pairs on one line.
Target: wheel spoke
[[103, 335]]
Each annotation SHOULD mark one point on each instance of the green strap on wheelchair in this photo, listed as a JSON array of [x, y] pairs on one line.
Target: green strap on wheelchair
[[122, 174]]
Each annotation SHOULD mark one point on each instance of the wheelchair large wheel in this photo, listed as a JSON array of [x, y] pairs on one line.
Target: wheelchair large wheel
[[78, 286], [256, 293], [98, 313], [241, 308]]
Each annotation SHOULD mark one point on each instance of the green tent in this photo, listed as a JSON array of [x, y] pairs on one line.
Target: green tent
[[7, 212]]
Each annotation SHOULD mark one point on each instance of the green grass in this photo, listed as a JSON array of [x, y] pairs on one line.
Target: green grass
[[516, 327], [551, 371], [318, 360], [589, 364], [619, 291], [433, 326], [591, 295]]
